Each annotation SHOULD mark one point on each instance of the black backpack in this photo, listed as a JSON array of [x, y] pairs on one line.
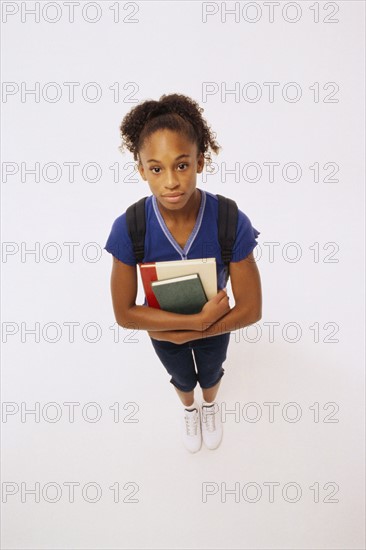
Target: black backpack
[[227, 223]]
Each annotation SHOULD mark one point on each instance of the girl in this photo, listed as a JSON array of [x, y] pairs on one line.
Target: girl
[[170, 141]]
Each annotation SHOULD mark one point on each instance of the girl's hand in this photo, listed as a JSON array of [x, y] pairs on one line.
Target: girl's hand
[[214, 309], [174, 336]]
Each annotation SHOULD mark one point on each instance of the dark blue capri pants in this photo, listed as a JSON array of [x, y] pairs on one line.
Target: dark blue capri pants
[[206, 354]]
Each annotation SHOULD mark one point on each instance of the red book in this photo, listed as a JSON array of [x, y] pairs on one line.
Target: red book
[[148, 275]]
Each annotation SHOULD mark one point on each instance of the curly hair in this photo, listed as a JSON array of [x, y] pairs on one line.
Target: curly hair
[[174, 112]]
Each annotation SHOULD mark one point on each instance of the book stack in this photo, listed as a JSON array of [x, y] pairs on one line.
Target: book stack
[[181, 286]]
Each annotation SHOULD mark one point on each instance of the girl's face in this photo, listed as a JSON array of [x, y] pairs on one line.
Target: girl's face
[[169, 163]]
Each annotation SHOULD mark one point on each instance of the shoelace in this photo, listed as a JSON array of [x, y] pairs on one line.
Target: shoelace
[[209, 419], [191, 420]]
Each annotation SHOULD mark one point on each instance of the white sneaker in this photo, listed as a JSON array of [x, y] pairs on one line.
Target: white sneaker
[[192, 436], [211, 425]]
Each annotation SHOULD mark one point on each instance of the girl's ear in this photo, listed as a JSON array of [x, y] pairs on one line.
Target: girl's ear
[[200, 163], [141, 170]]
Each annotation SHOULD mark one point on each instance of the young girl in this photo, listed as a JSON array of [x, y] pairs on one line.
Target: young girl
[[170, 141]]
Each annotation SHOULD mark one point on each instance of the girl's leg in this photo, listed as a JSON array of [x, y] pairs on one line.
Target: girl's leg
[[209, 394], [179, 362], [186, 397], [210, 354]]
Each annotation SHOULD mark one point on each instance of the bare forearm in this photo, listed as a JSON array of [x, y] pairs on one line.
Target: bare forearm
[[238, 317], [235, 319], [150, 318]]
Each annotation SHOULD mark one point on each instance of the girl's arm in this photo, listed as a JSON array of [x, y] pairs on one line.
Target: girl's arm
[[127, 313], [246, 286]]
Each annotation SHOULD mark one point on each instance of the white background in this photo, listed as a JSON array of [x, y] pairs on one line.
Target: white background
[[170, 49]]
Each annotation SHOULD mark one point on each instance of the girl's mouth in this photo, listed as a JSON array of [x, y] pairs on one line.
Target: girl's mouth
[[173, 198]]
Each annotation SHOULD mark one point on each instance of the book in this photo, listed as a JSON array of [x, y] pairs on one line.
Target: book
[[158, 271], [180, 294]]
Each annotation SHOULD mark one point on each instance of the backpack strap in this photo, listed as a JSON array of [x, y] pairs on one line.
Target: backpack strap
[[227, 224], [136, 225]]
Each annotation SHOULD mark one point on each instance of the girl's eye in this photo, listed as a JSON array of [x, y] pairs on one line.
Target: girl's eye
[[158, 168]]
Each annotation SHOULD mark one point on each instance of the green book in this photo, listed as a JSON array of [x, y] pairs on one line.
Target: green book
[[183, 294]]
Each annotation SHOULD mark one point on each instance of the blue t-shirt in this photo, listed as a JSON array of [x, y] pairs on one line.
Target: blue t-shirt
[[203, 242]]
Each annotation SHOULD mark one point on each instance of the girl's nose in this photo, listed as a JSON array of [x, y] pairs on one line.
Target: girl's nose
[[171, 179]]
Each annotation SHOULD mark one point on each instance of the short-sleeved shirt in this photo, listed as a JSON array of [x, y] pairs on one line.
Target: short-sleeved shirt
[[203, 242]]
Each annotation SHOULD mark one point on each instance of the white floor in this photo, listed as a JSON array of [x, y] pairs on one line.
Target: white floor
[[272, 484]]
